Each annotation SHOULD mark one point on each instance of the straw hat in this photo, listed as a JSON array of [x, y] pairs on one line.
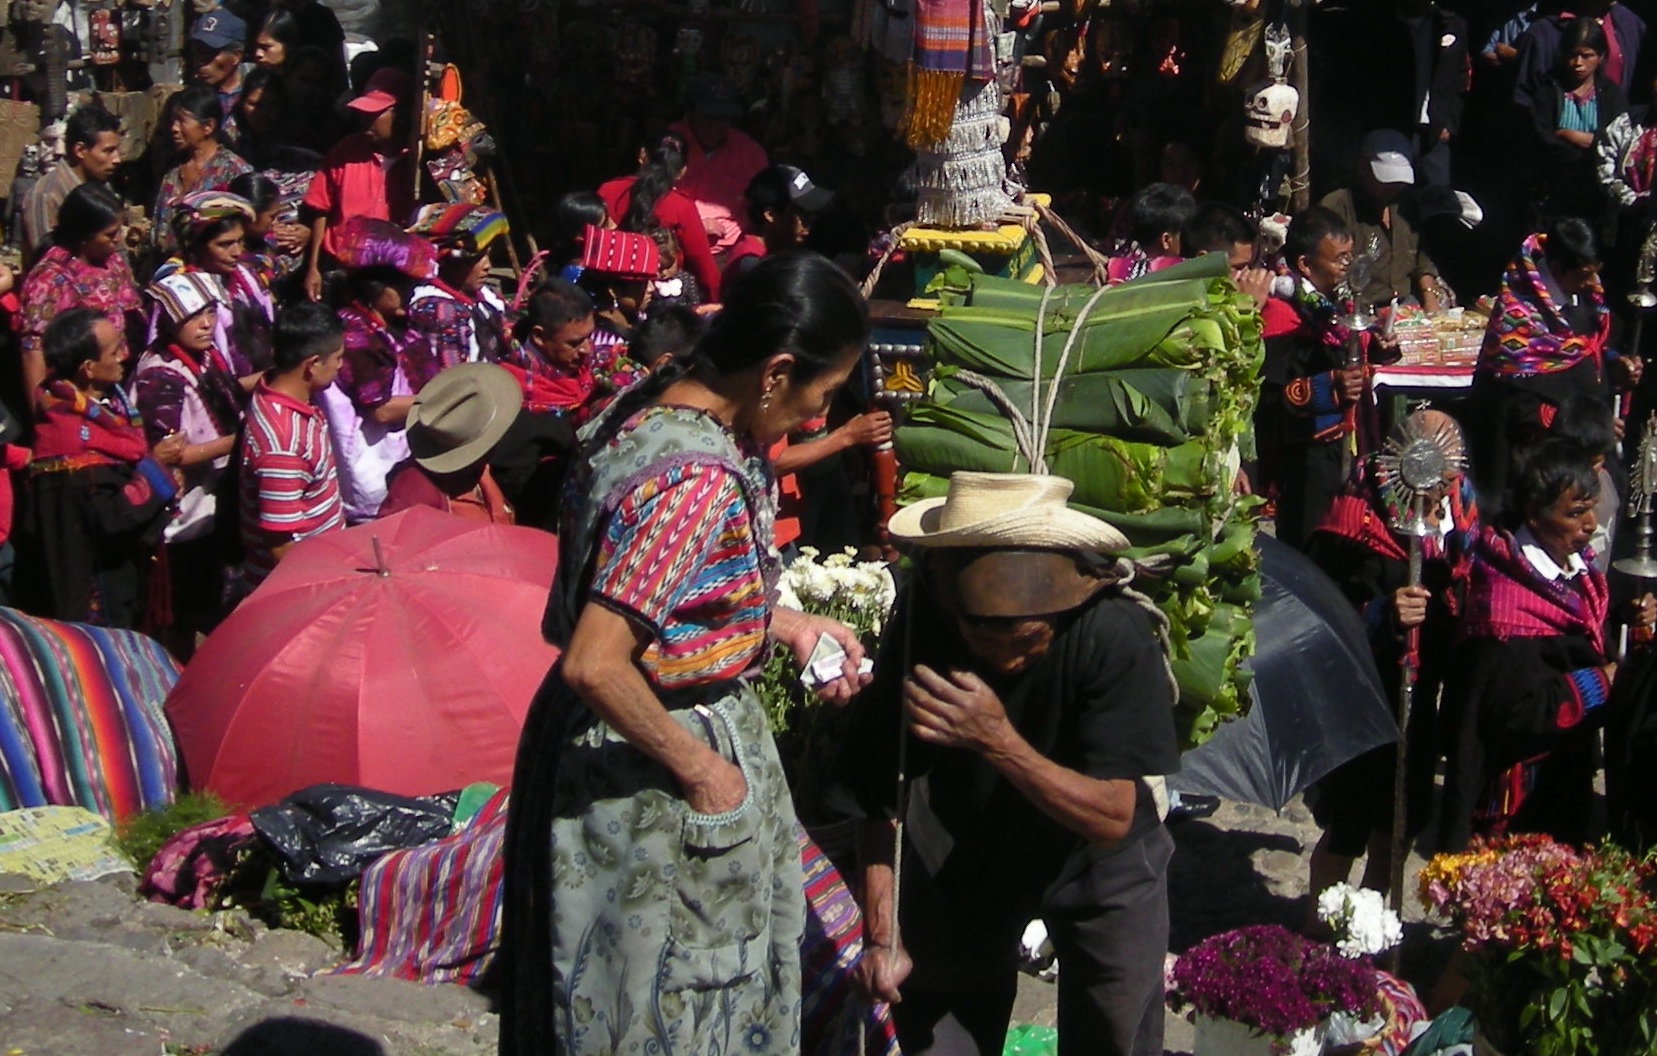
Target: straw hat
[[461, 415], [1004, 511]]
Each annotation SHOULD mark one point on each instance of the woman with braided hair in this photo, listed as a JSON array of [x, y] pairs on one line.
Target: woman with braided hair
[[649, 200], [654, 895]]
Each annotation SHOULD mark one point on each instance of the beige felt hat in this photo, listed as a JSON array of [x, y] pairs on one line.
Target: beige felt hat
[[1005, 510], [461, 415]]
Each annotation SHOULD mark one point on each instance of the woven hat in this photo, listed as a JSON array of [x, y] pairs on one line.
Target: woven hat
[[184, 293], [199, 210], [626, 254], [366, 242], [460, 230], [1005, 511], [461, 415]]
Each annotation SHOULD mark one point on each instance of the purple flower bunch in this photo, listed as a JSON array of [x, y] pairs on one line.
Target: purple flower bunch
[[1268, 978]]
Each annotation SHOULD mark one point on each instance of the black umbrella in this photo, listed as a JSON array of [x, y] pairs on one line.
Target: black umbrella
[[1318, 700]]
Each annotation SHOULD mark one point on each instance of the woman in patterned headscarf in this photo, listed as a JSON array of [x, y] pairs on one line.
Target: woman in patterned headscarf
[[210, 228], [1546, 343]]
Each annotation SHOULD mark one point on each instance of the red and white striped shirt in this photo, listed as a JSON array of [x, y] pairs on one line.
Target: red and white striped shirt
[[290, 486]]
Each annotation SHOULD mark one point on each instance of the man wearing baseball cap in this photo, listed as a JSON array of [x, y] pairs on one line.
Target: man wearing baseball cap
[[367, 174], [782, 204], [1383, 207], [216, 45]]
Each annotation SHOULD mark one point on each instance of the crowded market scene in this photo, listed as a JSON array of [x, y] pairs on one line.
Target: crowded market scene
[[579, 526]]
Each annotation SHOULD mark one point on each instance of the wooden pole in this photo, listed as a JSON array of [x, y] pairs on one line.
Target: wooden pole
[[1300, 180]]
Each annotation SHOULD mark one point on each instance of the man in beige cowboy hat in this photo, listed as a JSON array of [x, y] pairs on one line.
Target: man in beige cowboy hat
[[1039, 706], [453, 428]]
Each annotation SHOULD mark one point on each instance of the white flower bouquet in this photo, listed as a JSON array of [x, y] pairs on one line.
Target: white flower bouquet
[[859, 594], [1364, 927]]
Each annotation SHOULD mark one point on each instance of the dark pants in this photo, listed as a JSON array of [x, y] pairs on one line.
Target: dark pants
[[1310, 476], [1110, 930]]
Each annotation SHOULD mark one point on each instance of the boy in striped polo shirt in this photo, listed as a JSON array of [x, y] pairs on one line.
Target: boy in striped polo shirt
[[289, 484]]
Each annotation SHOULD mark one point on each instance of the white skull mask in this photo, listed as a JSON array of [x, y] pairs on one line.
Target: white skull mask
[[1268, 114]]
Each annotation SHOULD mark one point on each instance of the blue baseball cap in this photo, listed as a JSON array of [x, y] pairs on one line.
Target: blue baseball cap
[[220, 29]]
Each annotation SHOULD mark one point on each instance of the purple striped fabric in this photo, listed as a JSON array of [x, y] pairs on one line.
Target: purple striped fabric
[[433, 913]]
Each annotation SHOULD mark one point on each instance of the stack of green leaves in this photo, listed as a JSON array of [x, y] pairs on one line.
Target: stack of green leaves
[[1149, 418]]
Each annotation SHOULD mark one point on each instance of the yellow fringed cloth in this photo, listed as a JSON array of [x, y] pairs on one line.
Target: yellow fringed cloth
[[951, 45]]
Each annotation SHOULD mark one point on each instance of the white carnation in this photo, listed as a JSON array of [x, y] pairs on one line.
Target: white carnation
[[1360, 919]]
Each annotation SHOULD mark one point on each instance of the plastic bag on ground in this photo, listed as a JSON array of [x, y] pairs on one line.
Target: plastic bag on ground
[[1027, 1039], [328, 834]]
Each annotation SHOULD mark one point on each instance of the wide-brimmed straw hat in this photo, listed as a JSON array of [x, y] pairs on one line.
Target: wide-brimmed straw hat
[[1020, 511], [461, 415]]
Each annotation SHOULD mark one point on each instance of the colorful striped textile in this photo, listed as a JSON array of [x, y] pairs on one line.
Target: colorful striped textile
[[433, 913], [80, 718], [1528, 332], [835, 1020], [1403, 1010]]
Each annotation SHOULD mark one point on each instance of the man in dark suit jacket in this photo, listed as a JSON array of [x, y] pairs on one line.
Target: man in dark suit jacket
[[1422, 75], [1400, 64]]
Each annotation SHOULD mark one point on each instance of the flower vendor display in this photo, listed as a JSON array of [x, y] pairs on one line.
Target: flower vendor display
[[1265, 989], [859, 594], [1143, 395], [1560, 944]]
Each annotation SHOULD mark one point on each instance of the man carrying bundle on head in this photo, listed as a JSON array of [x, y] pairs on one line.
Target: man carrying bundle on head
[[1034, 686]]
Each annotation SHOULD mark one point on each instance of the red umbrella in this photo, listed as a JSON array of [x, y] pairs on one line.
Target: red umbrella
[[399, 655]]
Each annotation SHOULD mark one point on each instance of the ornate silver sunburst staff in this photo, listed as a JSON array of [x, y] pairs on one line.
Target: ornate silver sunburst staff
[[1419, 461], [1642, 499]]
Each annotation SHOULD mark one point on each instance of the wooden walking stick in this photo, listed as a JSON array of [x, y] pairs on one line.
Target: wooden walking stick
[[1418, 461]]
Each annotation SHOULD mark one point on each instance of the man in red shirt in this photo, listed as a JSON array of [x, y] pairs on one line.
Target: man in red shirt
[[721, 159], [289, 482], [366, 174]]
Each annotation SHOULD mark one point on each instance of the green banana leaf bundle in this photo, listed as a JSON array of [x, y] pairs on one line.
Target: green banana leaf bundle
[[1165, 407], [1183, 320], [1212, 674], [1154, 401], [1109, 473]]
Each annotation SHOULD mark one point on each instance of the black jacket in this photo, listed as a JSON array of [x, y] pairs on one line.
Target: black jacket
[[1386, 69]]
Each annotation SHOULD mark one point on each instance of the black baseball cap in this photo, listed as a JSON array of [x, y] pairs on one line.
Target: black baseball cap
[[782, 185]]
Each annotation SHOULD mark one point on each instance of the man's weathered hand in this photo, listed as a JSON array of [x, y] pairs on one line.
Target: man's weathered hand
[[957, 711], [881, 971]]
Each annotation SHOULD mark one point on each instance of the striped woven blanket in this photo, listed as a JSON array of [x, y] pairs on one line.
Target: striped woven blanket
[[432, 914], [80, 718]]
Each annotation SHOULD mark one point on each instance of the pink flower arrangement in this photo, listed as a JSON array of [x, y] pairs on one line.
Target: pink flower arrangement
[[1268, 978], [1528, 892], [1562, 943]]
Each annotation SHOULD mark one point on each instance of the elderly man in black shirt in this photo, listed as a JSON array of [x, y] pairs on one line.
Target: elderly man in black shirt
[[1039, 704]]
